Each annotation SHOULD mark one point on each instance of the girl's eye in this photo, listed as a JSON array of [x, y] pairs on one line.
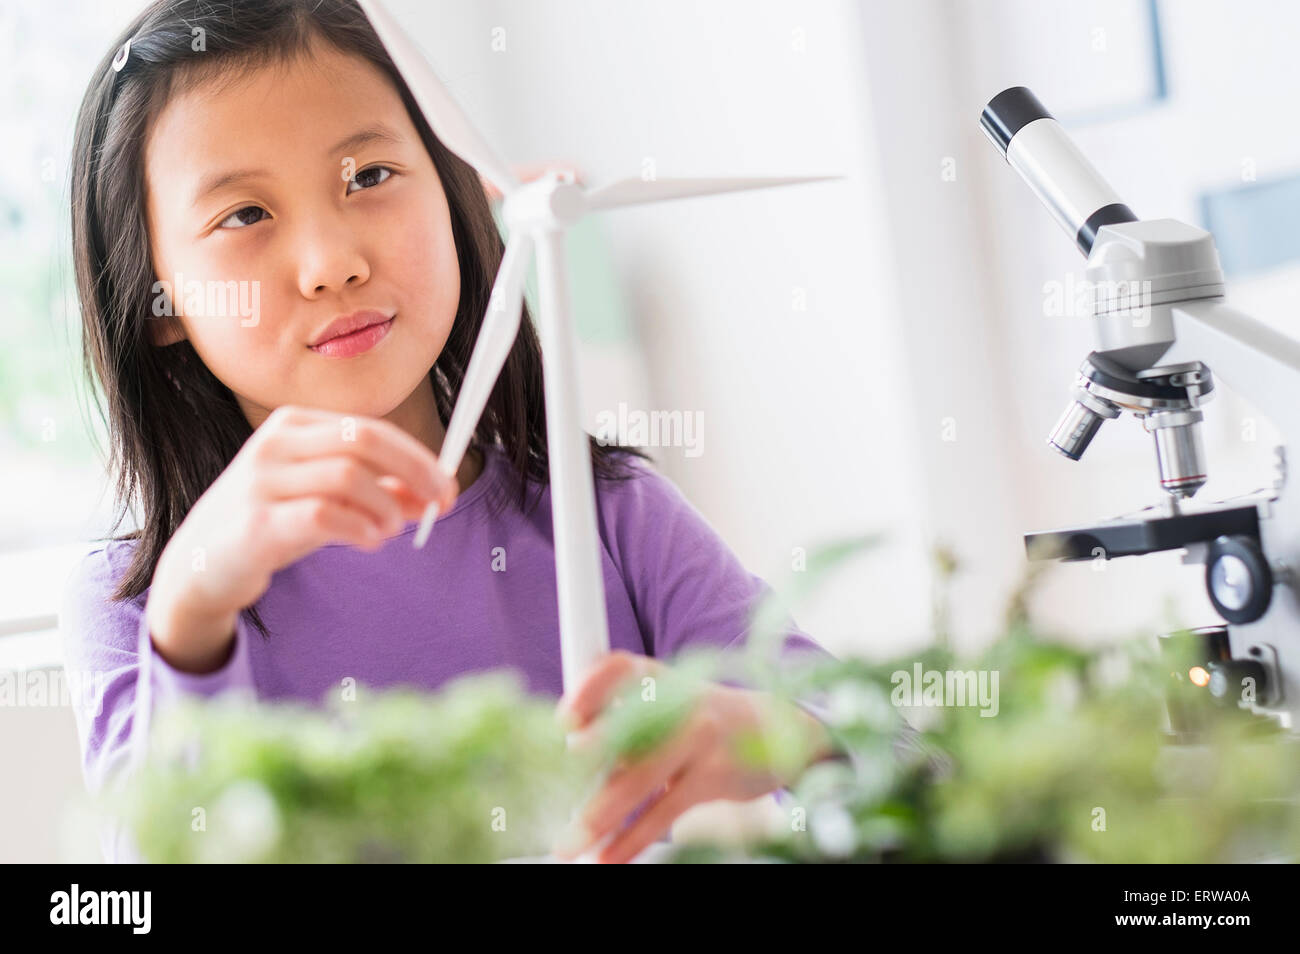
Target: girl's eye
[[239, 214], [252, 214], [369, 181]]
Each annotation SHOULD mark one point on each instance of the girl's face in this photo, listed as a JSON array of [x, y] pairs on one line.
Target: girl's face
[[307, 186]]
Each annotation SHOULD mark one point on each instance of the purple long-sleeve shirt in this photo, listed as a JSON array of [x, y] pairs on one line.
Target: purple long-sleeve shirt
[[480, 595]]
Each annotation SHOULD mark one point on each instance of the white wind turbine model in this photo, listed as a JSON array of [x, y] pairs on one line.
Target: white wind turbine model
[[537, 215]]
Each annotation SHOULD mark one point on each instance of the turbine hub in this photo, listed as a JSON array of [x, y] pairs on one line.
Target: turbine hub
[[551, 202]]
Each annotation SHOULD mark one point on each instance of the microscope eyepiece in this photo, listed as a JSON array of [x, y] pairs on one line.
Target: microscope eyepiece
[[1009, 112], [1036, 146]]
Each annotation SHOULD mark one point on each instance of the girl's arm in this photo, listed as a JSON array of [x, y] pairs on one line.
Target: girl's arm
[[688, 590], [304, 478], [687, 586], [118, 680]]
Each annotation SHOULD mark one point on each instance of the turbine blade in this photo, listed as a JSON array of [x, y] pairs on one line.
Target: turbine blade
[[496, 337], [443, 113], [637, 191]]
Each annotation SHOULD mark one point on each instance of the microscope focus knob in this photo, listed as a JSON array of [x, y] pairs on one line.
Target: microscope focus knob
[[1238, 578], [1237, 680]]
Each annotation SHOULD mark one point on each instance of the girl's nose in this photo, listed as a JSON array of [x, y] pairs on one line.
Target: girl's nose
[[330, 258]]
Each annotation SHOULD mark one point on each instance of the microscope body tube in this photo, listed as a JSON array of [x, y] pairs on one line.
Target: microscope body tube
[[1036, 146]]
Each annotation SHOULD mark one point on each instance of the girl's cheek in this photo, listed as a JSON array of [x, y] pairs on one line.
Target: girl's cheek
[[423, 263], [417, 210], [416, 236]]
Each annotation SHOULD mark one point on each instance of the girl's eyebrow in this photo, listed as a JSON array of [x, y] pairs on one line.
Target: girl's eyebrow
[[219, 180], [375, 132]]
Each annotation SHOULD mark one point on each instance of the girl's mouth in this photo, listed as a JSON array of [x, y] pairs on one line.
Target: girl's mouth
[[359, 342]]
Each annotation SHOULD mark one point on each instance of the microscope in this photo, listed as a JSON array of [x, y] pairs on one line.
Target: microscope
[[1164, 332]]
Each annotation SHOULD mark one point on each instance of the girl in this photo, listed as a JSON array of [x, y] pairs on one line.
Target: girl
[[282, 274]]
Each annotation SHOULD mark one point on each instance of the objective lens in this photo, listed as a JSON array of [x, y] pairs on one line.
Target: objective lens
[[1178, 450], [1075, 430]]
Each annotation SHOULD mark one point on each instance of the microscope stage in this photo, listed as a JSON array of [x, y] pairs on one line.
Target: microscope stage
[[1131, 536]]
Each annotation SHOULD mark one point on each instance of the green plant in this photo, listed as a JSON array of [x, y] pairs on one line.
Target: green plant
[[1069, 763], [475, 772]]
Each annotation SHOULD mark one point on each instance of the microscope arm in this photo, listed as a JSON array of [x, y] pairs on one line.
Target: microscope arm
[[1258, 362]]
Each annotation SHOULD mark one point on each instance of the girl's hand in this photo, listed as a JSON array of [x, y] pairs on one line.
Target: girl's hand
[[305, 478], [698, 764]]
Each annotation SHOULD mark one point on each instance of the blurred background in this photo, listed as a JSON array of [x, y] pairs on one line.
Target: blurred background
[[884, 353]]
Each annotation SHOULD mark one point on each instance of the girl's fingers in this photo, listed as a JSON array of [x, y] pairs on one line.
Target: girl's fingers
[[411, 503], [628, 788], [343, 478], [590, 737], [598, 684], [680, 794], [384, 446], [304, 524]]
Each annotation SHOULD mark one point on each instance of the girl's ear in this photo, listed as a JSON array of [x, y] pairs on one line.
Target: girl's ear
[[166, 330]]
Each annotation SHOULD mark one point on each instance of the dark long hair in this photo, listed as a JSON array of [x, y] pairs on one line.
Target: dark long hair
[[173, 426]]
